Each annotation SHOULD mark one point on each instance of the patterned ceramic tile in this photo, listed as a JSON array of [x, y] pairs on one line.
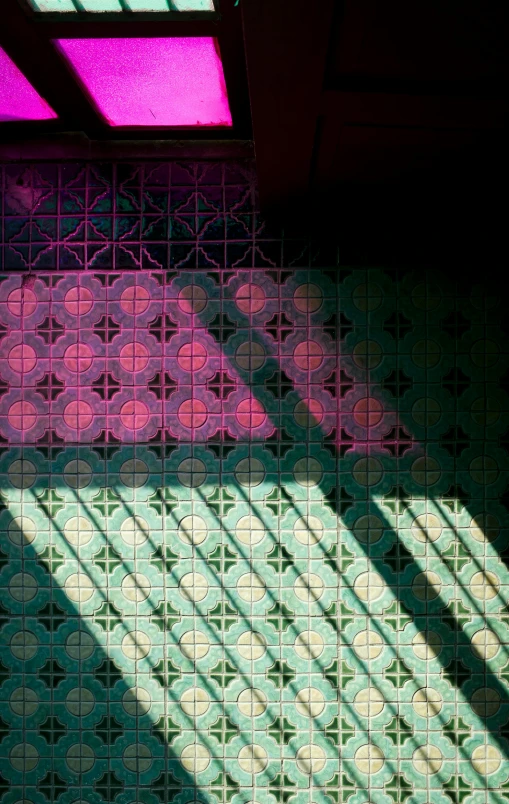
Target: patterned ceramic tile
[[253, 531]]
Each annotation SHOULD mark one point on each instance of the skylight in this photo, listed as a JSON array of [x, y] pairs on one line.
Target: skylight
[[18, 99], [152, 82], [98, 6]]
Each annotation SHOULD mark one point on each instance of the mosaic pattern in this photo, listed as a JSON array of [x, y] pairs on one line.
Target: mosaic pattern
[[253, 531]]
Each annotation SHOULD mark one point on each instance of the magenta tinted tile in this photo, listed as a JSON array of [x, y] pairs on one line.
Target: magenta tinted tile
[[18, 99], [152, 82]]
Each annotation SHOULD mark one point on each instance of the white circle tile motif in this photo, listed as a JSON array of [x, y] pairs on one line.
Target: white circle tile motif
[[194, 587], [134, 531], [22, 474], [80, 758], [427, 646], [195, 758], [426, 528], [24, 701], [253, 759], [250, 587], [79, 645], [250, 356], [485, 702], [368, 644], [79, 702], [308, 298], [310, 702], [485, 644], [194, 645], [369, 702], [309, 645], [486, 759], [78, 530], [368, 529], [252, 702], [369, 586], [308, 530], [134, 473], [250, 530], [192, 473], [310, 759], [484, 527], [250, 472], [192, 529], [427, 702], [137, 758], [136, 701], [309, 587], [79, 587], [485, 585], [22, 530], [427, 759], [136, 587], [136, 645], [24, 757], [195, 702], [427, 585], [251, 645], [78, 474], [308, 472], [369, 759]]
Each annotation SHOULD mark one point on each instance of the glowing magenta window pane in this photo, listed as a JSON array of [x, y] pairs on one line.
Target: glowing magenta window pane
[[152, 82], [18, 98]]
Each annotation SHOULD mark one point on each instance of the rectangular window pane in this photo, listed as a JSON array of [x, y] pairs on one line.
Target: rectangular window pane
[[193, 5], [101, 5], [18, 99], [98, 6], [148, 5], [53, 5], [176, 81]]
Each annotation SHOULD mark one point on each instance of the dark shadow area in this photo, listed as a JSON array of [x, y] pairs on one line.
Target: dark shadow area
[[455, 671], [87, 661]]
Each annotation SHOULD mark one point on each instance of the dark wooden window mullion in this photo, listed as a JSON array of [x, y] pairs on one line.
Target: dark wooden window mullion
[[231, 47], [134, 24], [36, 57]]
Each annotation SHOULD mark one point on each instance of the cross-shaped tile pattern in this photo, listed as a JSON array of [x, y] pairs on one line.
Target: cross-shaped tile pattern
[[253, 536]]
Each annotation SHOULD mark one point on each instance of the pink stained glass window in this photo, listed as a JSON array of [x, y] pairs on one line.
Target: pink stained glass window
[[152, 82], [18, 99]]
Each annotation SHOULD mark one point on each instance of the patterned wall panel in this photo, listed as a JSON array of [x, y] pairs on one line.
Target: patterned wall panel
[[253, 533]]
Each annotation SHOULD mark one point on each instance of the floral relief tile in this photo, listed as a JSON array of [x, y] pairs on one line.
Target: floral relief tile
[[253, 531]]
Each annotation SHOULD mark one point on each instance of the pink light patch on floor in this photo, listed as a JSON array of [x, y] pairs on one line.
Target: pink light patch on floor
[[152, 82], [18, 99]]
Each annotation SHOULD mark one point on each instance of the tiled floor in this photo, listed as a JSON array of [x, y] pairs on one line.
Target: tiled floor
[[252, 525]]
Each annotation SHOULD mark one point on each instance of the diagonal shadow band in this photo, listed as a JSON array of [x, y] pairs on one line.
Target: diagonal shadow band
[[107, 670], [31, 553], [116, 678], [456, 671]]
